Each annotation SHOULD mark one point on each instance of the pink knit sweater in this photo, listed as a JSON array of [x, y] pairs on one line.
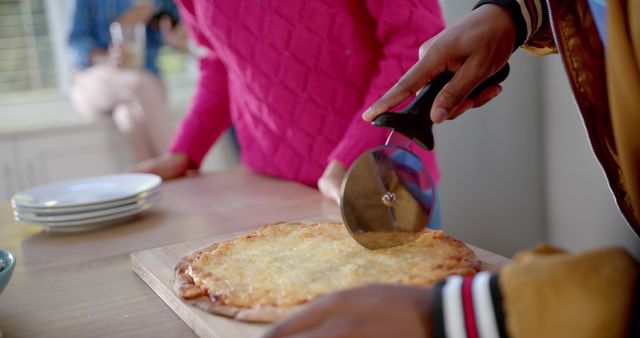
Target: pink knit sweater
[[294, 77]]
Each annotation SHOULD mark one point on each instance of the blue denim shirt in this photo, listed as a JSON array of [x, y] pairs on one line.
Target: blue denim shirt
[[90, 29]]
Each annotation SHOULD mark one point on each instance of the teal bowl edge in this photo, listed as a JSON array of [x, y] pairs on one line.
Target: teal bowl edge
[[9, 262]]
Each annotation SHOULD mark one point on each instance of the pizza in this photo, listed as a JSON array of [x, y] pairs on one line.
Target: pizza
[[263, 275]]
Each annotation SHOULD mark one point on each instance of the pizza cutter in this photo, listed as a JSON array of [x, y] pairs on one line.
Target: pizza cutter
[[388, 195]]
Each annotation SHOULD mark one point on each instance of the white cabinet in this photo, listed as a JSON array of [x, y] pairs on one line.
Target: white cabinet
[[75, 153], [10, 181], [39, 157], [35, 157]]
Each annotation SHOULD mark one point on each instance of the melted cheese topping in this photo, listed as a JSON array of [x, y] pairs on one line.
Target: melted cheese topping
[[287, 264]]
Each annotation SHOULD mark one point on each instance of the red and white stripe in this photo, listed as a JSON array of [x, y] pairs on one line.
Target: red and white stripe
[[453, 310], [483, 306], [532, 15], [468, 307]]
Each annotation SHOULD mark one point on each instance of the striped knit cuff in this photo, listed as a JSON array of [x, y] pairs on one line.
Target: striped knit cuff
[[527, 15], [468, 307]]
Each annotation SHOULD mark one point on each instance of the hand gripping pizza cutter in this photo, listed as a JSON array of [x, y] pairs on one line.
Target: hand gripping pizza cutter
[[387, 196]]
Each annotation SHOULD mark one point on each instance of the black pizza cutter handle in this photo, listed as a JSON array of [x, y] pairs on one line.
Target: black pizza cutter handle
[[415, 122]]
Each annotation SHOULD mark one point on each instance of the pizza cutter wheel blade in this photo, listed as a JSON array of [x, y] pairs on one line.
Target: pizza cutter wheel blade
[[387, 197]]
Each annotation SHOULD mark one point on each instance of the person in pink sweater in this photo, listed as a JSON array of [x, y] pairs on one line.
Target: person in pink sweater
[[293, 77]]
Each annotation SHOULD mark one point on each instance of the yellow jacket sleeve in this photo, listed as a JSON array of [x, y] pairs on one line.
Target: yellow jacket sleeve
[[549, 293]]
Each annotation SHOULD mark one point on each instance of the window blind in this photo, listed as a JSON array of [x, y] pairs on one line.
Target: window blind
[[26, 55]]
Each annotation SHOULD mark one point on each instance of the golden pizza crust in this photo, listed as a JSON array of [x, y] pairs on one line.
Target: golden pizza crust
[[184, 286], [265, 274]]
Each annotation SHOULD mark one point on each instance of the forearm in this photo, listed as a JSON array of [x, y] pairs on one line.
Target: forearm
[[209, 114], [542, 293], [399, 40], [196, 136], [583, 296]]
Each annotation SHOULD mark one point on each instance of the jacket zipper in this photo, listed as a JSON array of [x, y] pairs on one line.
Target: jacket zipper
[[556, 40]]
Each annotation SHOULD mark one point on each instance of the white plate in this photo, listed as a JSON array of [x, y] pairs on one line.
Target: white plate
[[87, 227], [88, 221], [38, 218], [87, 191], [141, 198]]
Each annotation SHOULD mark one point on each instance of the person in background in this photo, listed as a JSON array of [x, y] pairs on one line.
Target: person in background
[[293, 76], [544, 292], [115, 77]]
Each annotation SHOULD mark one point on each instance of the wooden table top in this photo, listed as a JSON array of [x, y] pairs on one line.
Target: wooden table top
[[82, 284]]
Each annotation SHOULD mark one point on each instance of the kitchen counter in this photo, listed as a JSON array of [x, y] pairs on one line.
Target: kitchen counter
[[82, 284]]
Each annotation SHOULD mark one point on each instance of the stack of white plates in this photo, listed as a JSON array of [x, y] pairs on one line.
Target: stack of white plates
[[88, 203]]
